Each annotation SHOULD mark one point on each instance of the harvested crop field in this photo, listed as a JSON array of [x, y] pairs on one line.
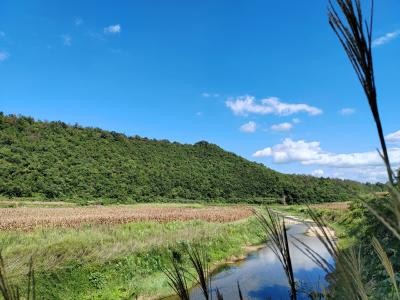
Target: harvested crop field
[[28, 218], [332, 205]]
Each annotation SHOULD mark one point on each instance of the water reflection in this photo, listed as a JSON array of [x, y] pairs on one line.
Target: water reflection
[[261, 274]]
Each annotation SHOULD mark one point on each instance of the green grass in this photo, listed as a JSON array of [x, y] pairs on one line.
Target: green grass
[[336, 219], [116, 262]]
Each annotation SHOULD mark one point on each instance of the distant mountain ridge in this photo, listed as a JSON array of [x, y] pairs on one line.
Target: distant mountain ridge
[[56, 160]]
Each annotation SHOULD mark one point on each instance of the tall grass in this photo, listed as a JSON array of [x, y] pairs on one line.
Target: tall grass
[[276, 232], [10, 291], [355, 34], [177, 276]]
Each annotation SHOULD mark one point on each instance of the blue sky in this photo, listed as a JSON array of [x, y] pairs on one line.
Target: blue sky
[[267, 80]]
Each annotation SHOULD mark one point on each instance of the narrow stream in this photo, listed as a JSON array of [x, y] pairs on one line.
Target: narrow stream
[[261, 275]]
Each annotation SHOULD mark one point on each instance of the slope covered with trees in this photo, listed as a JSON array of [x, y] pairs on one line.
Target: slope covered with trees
[[56, 160]]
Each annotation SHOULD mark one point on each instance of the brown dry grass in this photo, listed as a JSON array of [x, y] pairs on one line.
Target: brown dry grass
[[28, 218], [332, 205]]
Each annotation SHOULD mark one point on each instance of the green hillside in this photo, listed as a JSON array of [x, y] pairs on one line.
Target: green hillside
[[56, 160]]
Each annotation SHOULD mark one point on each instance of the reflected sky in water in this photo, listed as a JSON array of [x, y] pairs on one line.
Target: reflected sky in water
[[261, 274]]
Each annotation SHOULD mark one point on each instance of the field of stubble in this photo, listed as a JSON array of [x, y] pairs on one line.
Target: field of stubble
[[29, 218]]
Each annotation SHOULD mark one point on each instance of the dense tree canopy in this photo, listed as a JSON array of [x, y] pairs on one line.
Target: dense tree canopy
[[56, 160]]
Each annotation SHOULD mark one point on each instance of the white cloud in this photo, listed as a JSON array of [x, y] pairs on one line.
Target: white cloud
[[310, 153], [282, 127], [296, 121], [249, 127], [365, 174], [4, 55], [393, 138], [388, 37], [113, 29], [67, 40], [199, 114], [318, 173], [363, 166], [347, 111], [290, 151], [245, 105]]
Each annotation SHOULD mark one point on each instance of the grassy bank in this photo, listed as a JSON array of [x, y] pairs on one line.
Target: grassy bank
[[335, 216], [119, 261]]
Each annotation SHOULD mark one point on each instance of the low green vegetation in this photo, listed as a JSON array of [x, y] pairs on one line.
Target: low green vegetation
[[117, 262], [54, 160], [363, 226]]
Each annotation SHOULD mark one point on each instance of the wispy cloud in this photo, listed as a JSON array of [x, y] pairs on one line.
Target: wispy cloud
[[2, 34], [318, 173], [209, 95], [393, 138], [112, 29], [249, 127], [4, 55], [96, 36], [347, 111], [245, 105], [67, 40], [282, 126], [388, 37]]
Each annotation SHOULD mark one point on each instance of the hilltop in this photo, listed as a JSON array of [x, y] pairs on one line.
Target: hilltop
[[56, 160]]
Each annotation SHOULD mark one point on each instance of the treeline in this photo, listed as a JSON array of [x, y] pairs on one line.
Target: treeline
[[56, 160]]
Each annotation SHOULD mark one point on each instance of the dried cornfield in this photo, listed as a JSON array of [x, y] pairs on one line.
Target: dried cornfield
[[332, 205], [28, 218]]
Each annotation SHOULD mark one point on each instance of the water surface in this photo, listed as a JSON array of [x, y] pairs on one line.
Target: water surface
[[261, 275]]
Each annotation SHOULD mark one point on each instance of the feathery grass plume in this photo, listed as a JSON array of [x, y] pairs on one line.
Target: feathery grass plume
[[199, 260], [387, 264], [12, 292], [355, 35], [348, 264], [356, 38], [177, 276], [276, 232]]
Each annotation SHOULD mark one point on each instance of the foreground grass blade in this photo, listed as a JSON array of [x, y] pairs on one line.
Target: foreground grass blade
[[240, 291], [219, 295], [199, 261], [11, 292], [176, 275], [348, 264], [387, 264], [275, 231], [355, 35]]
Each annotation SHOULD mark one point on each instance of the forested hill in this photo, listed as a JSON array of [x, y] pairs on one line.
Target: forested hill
[[56, 160]]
